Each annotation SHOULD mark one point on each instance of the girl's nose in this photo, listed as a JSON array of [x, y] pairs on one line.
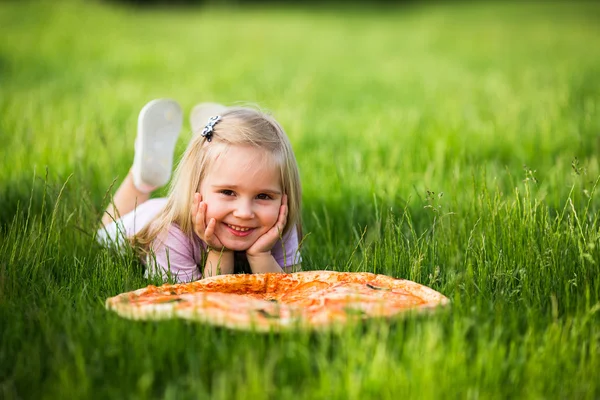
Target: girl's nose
[[243, 210]]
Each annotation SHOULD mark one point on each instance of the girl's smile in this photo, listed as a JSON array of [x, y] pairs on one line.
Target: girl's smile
[[238, 228], [239, 231], [243, 194]]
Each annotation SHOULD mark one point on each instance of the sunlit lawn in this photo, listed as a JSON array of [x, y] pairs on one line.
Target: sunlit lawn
[[453, 145]]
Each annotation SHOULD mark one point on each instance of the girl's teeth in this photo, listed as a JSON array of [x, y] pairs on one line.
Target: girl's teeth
[[237, 228]]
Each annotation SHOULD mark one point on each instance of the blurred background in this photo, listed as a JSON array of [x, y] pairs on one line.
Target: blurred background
[[385, 102]]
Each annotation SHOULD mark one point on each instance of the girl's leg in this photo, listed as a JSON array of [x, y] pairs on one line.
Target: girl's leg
[[125, 200], [159, 124]]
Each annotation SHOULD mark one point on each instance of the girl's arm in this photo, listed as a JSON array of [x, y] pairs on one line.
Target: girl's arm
[[218, 263], [263, 262]]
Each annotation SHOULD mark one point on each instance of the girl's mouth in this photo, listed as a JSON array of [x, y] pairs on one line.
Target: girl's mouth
[[238, 230]]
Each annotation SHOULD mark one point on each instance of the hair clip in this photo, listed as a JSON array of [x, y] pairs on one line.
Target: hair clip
[[208, 130]]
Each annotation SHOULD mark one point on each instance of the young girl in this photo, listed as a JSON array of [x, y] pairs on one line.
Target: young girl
[[233, 204]]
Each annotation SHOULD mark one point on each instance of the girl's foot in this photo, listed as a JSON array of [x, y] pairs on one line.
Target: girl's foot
[[202, 112], [159, 124]]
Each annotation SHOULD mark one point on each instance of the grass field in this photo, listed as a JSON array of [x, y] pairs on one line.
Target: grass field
[[456, 146]]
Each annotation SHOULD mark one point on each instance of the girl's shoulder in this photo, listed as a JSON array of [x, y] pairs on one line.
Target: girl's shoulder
[[177, 241], [174, 236]]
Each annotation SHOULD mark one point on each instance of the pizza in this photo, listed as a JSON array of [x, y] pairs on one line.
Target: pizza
[[264, 302]]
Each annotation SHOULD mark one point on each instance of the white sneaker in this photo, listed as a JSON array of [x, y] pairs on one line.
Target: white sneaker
[[202, 112], [159, 124]]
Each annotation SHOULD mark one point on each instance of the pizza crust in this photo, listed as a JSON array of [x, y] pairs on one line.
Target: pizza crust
[[264, 302]]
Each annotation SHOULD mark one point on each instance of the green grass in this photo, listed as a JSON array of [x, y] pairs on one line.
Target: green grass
[[456, 146]]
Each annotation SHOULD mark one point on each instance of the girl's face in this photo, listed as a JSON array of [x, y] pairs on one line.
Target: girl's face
[[243, 193]]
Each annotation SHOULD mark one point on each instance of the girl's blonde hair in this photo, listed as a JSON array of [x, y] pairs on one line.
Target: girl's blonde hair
[[238, 126]]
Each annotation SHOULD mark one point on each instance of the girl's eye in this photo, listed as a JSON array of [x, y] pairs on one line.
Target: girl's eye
[[227, 192], [263, 196]]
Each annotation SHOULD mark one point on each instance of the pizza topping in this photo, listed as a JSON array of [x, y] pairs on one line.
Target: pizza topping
[[377, 287], [266, 314], [175, 300]]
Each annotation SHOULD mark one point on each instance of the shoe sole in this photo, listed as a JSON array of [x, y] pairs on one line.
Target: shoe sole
[[159, 124]]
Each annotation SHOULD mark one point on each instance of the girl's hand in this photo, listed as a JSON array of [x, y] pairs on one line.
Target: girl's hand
[[265, 243], [205, 231]]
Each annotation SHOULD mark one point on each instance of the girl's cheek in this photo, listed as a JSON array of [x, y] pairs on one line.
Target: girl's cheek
[[210, 210], [275, 215], [214, 209]]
